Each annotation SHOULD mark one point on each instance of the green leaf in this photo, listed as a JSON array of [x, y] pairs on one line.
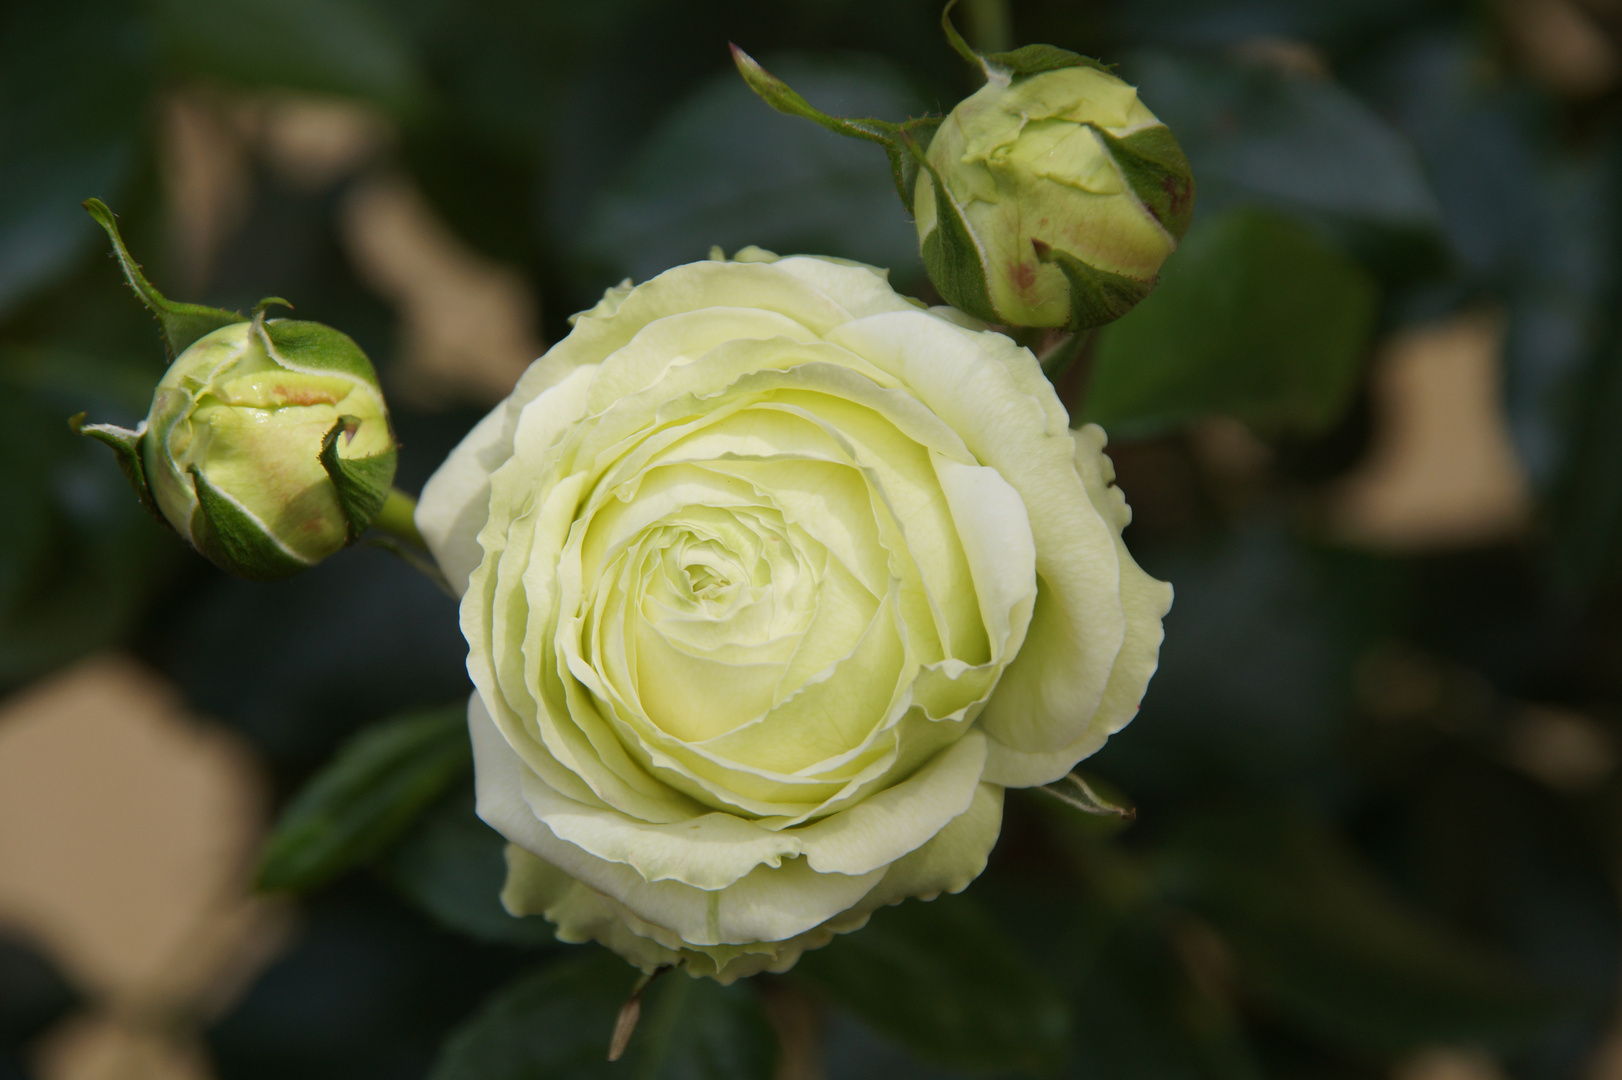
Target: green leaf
[[451, 865], [892, 136], [943, 978], [236, 541], [1315, 935], [1255, 317], [182, 323], [362, 483], [366, 798], [557, 1022]]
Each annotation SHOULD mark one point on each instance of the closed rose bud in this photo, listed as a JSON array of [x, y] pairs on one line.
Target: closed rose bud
[[268, 444], [233, 447], [1050, 198]]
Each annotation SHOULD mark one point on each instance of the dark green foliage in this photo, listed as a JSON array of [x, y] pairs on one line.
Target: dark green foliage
[[944, 979], [366, 798], [897, 139], [1256, 317], [450, 864], [1323, 943], [721, 169], [557, 1022], [74, 86], [1259, 133], [347, 47], [79, 556]]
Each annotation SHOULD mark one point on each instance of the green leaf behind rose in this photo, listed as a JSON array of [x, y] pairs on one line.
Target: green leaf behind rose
[[1256, 134], [366, 798], [451, 865], [557, 1022], [944, 979], [1256, 317]]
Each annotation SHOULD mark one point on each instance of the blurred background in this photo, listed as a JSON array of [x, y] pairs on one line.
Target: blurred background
[[1370, 426]]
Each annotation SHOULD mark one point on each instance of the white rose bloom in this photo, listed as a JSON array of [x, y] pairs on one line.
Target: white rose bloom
[[772, 582]]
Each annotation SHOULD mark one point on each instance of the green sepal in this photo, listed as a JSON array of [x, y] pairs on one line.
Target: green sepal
[[892, 137], [260, 308], [182, 323], [314, 349], [126, 447], [1075, 792], [953, 259], [1035, 59], [362, 484], [956, 41], [1154, 164], [1096, 296], [232, 539], [903, 163]]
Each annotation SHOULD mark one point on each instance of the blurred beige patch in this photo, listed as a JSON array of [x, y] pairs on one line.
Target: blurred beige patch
[[1563, 43], [207, 183], [1285, 55], [1448, 1063], [1442, 472], [313, 142], [127, 832], [1606, 1063], [469, 322], [210, 141], [102, 1048], [1561, 747]]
